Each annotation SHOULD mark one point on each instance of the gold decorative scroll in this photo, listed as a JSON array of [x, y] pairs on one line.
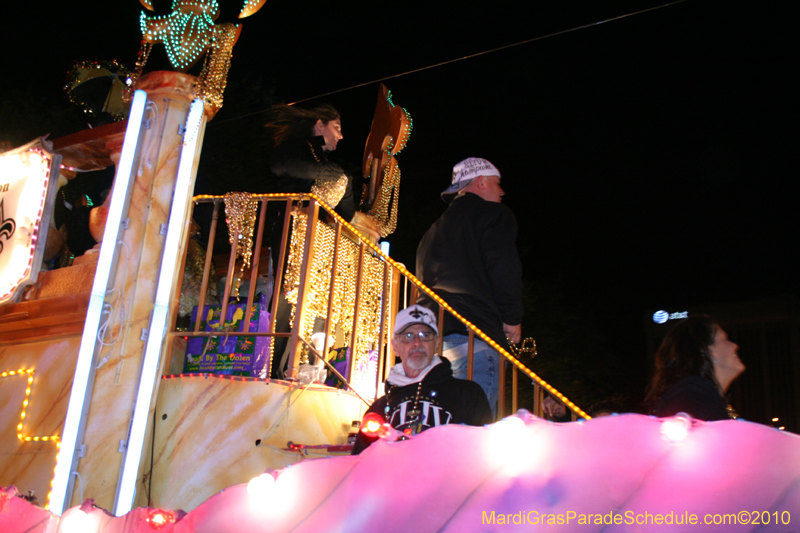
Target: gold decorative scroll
[[391, 129]]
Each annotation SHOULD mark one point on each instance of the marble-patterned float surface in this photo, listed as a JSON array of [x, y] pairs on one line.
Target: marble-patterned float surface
[[207, 428], [26, 463]]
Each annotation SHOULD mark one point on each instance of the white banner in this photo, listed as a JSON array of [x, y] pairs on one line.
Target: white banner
[[27, 193]]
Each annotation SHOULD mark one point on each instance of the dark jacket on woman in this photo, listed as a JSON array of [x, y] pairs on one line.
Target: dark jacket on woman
[[695, 396], [298, 162]]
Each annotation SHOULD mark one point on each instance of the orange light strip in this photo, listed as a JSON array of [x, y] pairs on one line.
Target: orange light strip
[[212, 375], [430, 293], [20, 435]]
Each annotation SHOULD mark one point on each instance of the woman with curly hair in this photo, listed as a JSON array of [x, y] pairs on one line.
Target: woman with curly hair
[[695, 365]]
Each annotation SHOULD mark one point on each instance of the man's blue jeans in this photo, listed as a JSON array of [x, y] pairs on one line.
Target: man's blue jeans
[[486, 364]]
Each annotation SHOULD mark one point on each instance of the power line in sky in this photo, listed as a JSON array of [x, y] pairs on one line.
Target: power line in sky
[[455, 60]]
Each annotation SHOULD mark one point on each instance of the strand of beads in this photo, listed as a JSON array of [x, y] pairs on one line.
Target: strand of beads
[[240, 215]]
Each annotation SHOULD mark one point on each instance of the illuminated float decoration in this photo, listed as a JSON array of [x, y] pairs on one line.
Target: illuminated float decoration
[[189, 33], [615, 473], [457, 478], [391, 129], [27, 193], [97, 87]]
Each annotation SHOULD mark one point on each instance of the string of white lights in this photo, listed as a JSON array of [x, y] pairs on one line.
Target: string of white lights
[[156, 332], [82, 383]]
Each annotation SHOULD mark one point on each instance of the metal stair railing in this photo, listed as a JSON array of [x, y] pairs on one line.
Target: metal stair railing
[[323, 288]]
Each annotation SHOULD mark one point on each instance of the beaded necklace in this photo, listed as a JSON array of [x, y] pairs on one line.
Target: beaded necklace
[[413, 419], [331, 191], [314, 153]]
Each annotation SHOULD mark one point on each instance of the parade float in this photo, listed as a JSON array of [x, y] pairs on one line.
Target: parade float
[[119, 419]]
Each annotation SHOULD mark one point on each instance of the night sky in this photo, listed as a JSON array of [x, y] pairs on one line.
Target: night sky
[[648, 159]]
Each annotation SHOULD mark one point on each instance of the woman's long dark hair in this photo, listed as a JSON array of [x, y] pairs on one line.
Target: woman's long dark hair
[[286, 121], [683, 352]]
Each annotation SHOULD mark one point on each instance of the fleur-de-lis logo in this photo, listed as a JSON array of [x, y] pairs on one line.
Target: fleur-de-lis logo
[[420, 313], [7, 227]]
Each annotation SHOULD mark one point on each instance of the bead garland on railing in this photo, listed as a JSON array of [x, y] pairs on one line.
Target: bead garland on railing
[[344, 291], [240, 214], [413, 279]]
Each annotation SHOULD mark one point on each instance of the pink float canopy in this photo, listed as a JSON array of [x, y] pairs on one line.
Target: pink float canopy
[[618, 473]]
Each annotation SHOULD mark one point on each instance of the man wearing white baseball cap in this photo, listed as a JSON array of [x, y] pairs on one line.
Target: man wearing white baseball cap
[[421, 391], [469, 258]]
